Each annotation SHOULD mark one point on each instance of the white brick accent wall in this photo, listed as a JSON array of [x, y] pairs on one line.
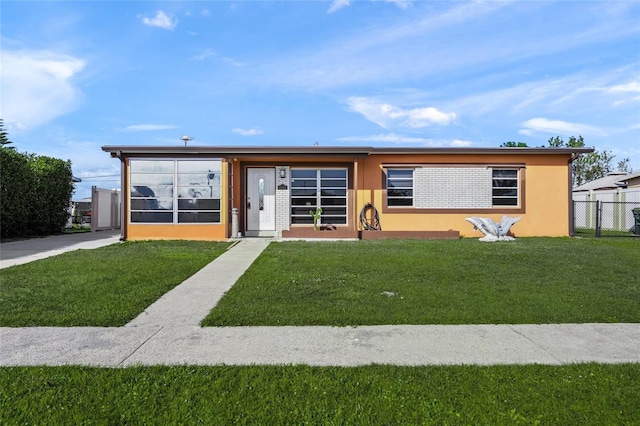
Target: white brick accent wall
[[452, 187], [283, 201]]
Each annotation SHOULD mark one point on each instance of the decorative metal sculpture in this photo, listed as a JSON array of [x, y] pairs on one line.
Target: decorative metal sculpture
[[493, 231]]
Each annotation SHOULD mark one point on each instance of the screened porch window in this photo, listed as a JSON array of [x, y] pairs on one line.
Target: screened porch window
[[313, 188], [175, 191]]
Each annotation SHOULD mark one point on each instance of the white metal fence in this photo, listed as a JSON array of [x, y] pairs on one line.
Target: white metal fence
[[610, 211]]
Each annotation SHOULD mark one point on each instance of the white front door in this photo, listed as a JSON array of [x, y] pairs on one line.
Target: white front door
[[261, 202]]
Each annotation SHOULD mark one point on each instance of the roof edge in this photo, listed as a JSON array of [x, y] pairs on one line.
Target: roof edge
[[232, 150], [363, 150], [482, 150]]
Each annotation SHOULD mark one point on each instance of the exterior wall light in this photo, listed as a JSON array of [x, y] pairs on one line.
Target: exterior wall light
[[283, 173]]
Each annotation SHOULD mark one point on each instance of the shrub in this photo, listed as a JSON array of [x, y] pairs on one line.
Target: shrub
[[35, 194]]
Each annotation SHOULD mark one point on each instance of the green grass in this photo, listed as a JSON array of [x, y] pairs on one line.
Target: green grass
[[108, 286], [583, 394], [530, 280], [591, 233], [76, 229]]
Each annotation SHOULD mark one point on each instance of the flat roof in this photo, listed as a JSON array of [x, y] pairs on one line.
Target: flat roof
[[236, 150], [483, 151], [327, 150]]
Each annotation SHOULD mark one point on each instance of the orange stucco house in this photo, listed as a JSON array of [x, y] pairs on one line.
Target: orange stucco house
[[212, 192]]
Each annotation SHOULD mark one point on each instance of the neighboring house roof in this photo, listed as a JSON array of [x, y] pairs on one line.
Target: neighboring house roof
[[631, 176], [82, 200], [611, 181], [630, 180], [118, 151]]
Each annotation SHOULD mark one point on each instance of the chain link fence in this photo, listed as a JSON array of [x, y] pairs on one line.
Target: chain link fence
[[605, 219]]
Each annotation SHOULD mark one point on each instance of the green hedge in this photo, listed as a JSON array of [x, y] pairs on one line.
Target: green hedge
[[35, 194]]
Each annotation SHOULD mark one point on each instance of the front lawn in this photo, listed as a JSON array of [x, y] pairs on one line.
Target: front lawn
[[108, 286], [591, 233], [530, 280], [584, 394]]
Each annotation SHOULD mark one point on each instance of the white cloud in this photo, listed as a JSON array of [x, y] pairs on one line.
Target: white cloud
[[388, 138], [248, 132], [400, 139], [402, 4], [37, 86], [461, 143], [210, 53], [386, 52], [205, 12], [337, 5], [633, 87], [206, 53], [545, 125], [161, 20], [387, 115], [232, 61], [148, 127]]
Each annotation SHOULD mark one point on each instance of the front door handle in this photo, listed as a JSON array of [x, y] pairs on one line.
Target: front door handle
[[248, 203]]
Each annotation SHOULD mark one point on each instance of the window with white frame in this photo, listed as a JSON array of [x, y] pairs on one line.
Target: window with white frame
[[505, 187], [313, 188], [175, 191], [400, 187]]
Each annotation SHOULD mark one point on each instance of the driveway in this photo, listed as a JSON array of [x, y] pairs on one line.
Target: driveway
[[24, 251]]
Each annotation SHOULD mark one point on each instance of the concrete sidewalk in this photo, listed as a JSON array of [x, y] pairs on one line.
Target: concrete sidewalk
[[25, 251], [167, 333], [323, 346]]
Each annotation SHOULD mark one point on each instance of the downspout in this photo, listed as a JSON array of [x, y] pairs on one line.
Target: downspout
[[123, 199], [572, 225], [354, 198]]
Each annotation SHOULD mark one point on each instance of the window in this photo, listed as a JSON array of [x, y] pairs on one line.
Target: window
[[313, 188], [400, 187], [175, 191], [504, 190]]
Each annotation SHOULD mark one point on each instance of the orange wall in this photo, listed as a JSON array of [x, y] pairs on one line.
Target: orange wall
[[546, 195], [546, 203], [183, 231]]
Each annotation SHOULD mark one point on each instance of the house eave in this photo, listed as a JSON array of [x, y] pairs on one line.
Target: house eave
[[226, 151], [296, 151], [483, 151]]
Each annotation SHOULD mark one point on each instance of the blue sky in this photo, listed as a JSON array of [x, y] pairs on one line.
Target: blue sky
[[80, 75]]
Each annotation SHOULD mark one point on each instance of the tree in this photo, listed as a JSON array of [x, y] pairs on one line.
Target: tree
[[512, 144], [4, 138], [591, 166], [623, 166]]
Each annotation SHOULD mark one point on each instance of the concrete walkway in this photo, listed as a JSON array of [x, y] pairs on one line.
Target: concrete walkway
[[187, 304], [167, 333]]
